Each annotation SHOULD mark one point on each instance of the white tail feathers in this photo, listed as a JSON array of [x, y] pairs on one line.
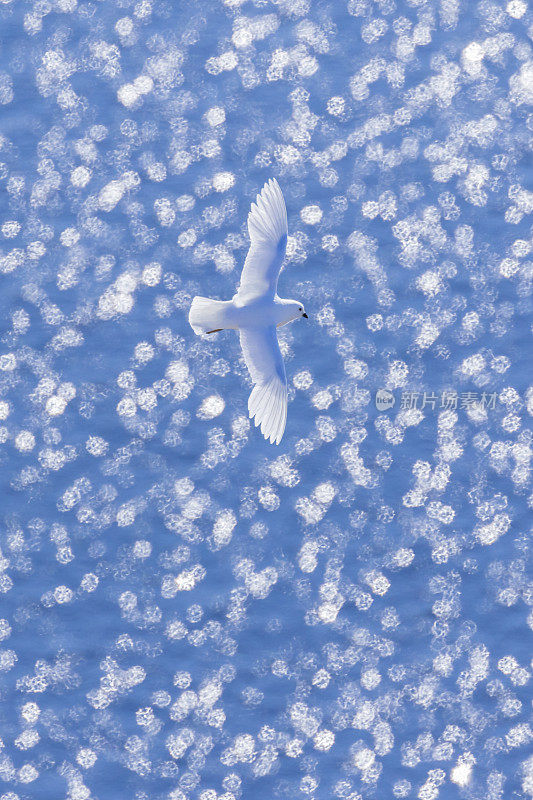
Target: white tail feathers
[[208, 315]]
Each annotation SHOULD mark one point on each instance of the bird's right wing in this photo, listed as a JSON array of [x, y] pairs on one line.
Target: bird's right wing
[[267, 226], [268, 400]]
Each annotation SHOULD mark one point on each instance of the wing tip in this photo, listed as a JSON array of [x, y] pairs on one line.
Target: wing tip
[[267, 406], [268, 214]]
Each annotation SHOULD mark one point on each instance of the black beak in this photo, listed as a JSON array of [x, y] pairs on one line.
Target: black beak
[[305, 316]]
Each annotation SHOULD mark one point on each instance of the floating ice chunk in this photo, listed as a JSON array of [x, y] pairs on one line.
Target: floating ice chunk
[[143, 84], [187, 580], [96, 446], [62, 594], [118, 299], [8, 362], [324, 740], [361, 476], [377, 582], [211, 407], [144, 352], [259, 584], [472, 57], [56, 405], [322, 400], [12, 260], [10, 229], [474, 364], [225, 523], [307, 560], [336, 106], [27, 739], [490, 533], [151, 274], [403, 558], [223, 63], [374, 322], [124, 26], [519, 735], [330, 243], [25, 441], [215, 116], [364, 758], [111, 194], [521, 85], [223, 181], [142, 549], [127, 407], [187, 238], [398, 374], [429, 333], [324, 493], [516, 8], [374, 30], [130, 93], [430, 283], [311, 215], [164, 210], [303, 380], [146, 398], [507, 664], [69, 237], [113, 191], [249, 29], [28, 773]]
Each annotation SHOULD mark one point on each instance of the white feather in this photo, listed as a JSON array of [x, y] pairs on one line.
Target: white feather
[[267, 226], [268, 401]]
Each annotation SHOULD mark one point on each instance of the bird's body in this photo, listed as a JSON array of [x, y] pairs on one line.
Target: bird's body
[[233, 314], [256, 311]]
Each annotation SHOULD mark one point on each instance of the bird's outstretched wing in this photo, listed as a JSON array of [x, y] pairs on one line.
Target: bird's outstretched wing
[[267, 226], [268, 400]]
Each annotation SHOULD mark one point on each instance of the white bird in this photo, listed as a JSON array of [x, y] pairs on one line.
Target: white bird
[[256, 311]]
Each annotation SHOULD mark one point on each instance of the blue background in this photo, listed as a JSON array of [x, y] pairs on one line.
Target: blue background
[[188, 611]]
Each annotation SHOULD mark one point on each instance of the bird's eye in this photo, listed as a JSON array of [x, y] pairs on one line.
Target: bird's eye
[[300, 309]]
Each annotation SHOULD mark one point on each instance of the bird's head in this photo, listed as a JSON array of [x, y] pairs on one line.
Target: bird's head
[[294, 310]]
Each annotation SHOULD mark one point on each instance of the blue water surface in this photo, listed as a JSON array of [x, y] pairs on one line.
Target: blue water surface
[[187, 611]]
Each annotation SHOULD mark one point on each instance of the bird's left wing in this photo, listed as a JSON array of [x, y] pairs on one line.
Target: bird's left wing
[[268, 400], [267, 226]]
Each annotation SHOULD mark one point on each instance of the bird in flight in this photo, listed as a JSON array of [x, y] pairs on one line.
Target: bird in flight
[[256, 311]]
